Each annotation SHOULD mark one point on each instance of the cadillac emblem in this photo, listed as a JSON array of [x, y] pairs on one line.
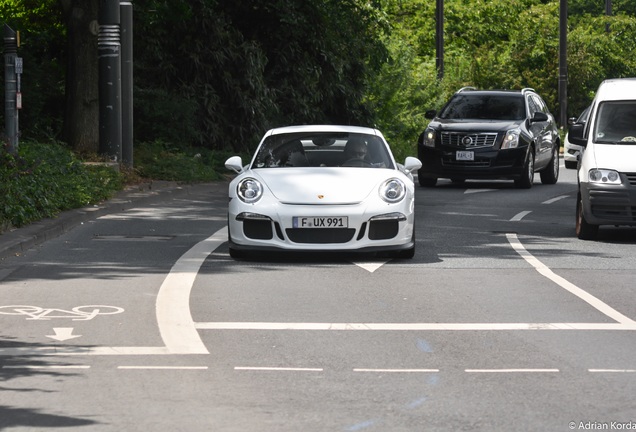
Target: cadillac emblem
[[321, 196], [467, 141]]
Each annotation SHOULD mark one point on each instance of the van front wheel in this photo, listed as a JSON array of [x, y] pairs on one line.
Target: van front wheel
[[584, 230]]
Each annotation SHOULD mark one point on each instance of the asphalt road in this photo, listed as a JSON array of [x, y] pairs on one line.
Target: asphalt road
[[134, 317]]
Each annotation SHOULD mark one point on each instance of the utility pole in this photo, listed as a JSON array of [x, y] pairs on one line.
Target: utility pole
[[608, 12], [12, 71], [109, 57], [439, 38], [126, 8], [563, 63]]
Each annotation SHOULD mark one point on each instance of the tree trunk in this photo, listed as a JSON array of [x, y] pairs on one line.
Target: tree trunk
[[81, 118]]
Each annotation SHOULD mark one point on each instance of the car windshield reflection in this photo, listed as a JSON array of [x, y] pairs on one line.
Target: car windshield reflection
[[323, 150]]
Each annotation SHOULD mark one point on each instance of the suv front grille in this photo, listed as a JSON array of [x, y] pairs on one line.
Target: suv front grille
[[453, 139]]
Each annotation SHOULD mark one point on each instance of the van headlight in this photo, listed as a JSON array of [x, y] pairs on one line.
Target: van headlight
[[511, 139], [392, 190], [249, 190], [604, 176]]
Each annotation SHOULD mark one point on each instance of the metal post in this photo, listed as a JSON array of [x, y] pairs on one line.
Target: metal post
[[10, 89], [127, 82], [439, 38], [109, 56], [563, 63], [608, 12]]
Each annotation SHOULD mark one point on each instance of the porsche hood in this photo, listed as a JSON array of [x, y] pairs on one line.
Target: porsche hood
[[324, 186]]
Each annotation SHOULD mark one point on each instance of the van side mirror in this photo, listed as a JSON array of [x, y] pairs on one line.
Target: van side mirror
[[576, 134]]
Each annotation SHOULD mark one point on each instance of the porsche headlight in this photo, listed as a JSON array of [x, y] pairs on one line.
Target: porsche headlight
[[511, 139], [249, 190], [604, 176], [392, 190]]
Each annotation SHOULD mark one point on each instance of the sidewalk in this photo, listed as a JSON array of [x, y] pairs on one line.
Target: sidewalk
[[17, 241]]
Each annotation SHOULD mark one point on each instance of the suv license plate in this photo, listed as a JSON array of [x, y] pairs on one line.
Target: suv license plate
[[320, 222], [465, 155]]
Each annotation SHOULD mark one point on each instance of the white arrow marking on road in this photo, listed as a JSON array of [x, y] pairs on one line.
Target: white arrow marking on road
[[63, 333], [371, 266]]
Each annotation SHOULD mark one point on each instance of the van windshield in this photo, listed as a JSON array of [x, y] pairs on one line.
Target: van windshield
[[616, 123]]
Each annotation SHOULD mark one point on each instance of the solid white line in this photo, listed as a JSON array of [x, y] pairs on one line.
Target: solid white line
[[613, 370], [520, 216], [510, 370], [286, 369], [555, 199], [164, 367], [173, 301], [410, 326], [583, 295], [396, 370]]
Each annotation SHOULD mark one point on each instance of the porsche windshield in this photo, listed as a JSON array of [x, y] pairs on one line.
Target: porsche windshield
[[616, 123], [324, 149]]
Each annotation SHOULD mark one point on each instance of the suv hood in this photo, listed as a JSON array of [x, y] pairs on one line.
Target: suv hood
[[473, 125]]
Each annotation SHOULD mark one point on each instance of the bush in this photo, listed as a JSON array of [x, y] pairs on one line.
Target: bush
[[45, 179]]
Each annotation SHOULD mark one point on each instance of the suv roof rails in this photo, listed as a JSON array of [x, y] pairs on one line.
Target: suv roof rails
[[466, 88]]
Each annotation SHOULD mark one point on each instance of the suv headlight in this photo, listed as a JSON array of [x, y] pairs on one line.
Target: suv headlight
[[511, 139], [429, 138], [392, 190], [604, 176], [249, 190]]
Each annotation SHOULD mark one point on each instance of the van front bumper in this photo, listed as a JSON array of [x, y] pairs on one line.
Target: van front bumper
[[605, 204]]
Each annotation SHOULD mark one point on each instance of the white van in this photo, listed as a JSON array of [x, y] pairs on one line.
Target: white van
[[607, 169]]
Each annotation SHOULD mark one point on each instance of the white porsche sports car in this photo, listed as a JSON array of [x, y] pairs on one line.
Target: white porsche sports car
[[322, 188]]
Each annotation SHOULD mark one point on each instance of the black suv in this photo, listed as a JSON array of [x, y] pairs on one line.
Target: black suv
[[490, 134]]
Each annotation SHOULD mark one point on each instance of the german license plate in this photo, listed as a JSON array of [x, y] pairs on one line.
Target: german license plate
[[465, 155], [320, 222]]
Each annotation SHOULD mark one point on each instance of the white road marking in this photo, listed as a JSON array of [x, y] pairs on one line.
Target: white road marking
[[371, 266], [509, 370], [63, 333], [288, 369], [173, 301], [573, 289], [471, 191], [163, 367], [396, 370], [553, 200], [520, 216]]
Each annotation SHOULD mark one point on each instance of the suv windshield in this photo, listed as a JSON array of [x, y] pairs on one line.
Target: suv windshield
[[616, 122], [485, 107]]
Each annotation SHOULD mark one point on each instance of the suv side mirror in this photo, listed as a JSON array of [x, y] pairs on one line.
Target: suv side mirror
[[539, 117], [430, 114], [576, 134]]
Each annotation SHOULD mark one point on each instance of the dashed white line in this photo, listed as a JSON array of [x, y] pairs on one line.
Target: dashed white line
[[511, 370], [520, 216], [396, 370], [286, 369], [163, 367], [555, 199]]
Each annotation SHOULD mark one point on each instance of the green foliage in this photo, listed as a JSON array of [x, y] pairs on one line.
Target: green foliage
[[44, 179], [163, 161]]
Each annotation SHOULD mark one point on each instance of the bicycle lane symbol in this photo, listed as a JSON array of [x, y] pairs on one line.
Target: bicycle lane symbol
[[78, 313]]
